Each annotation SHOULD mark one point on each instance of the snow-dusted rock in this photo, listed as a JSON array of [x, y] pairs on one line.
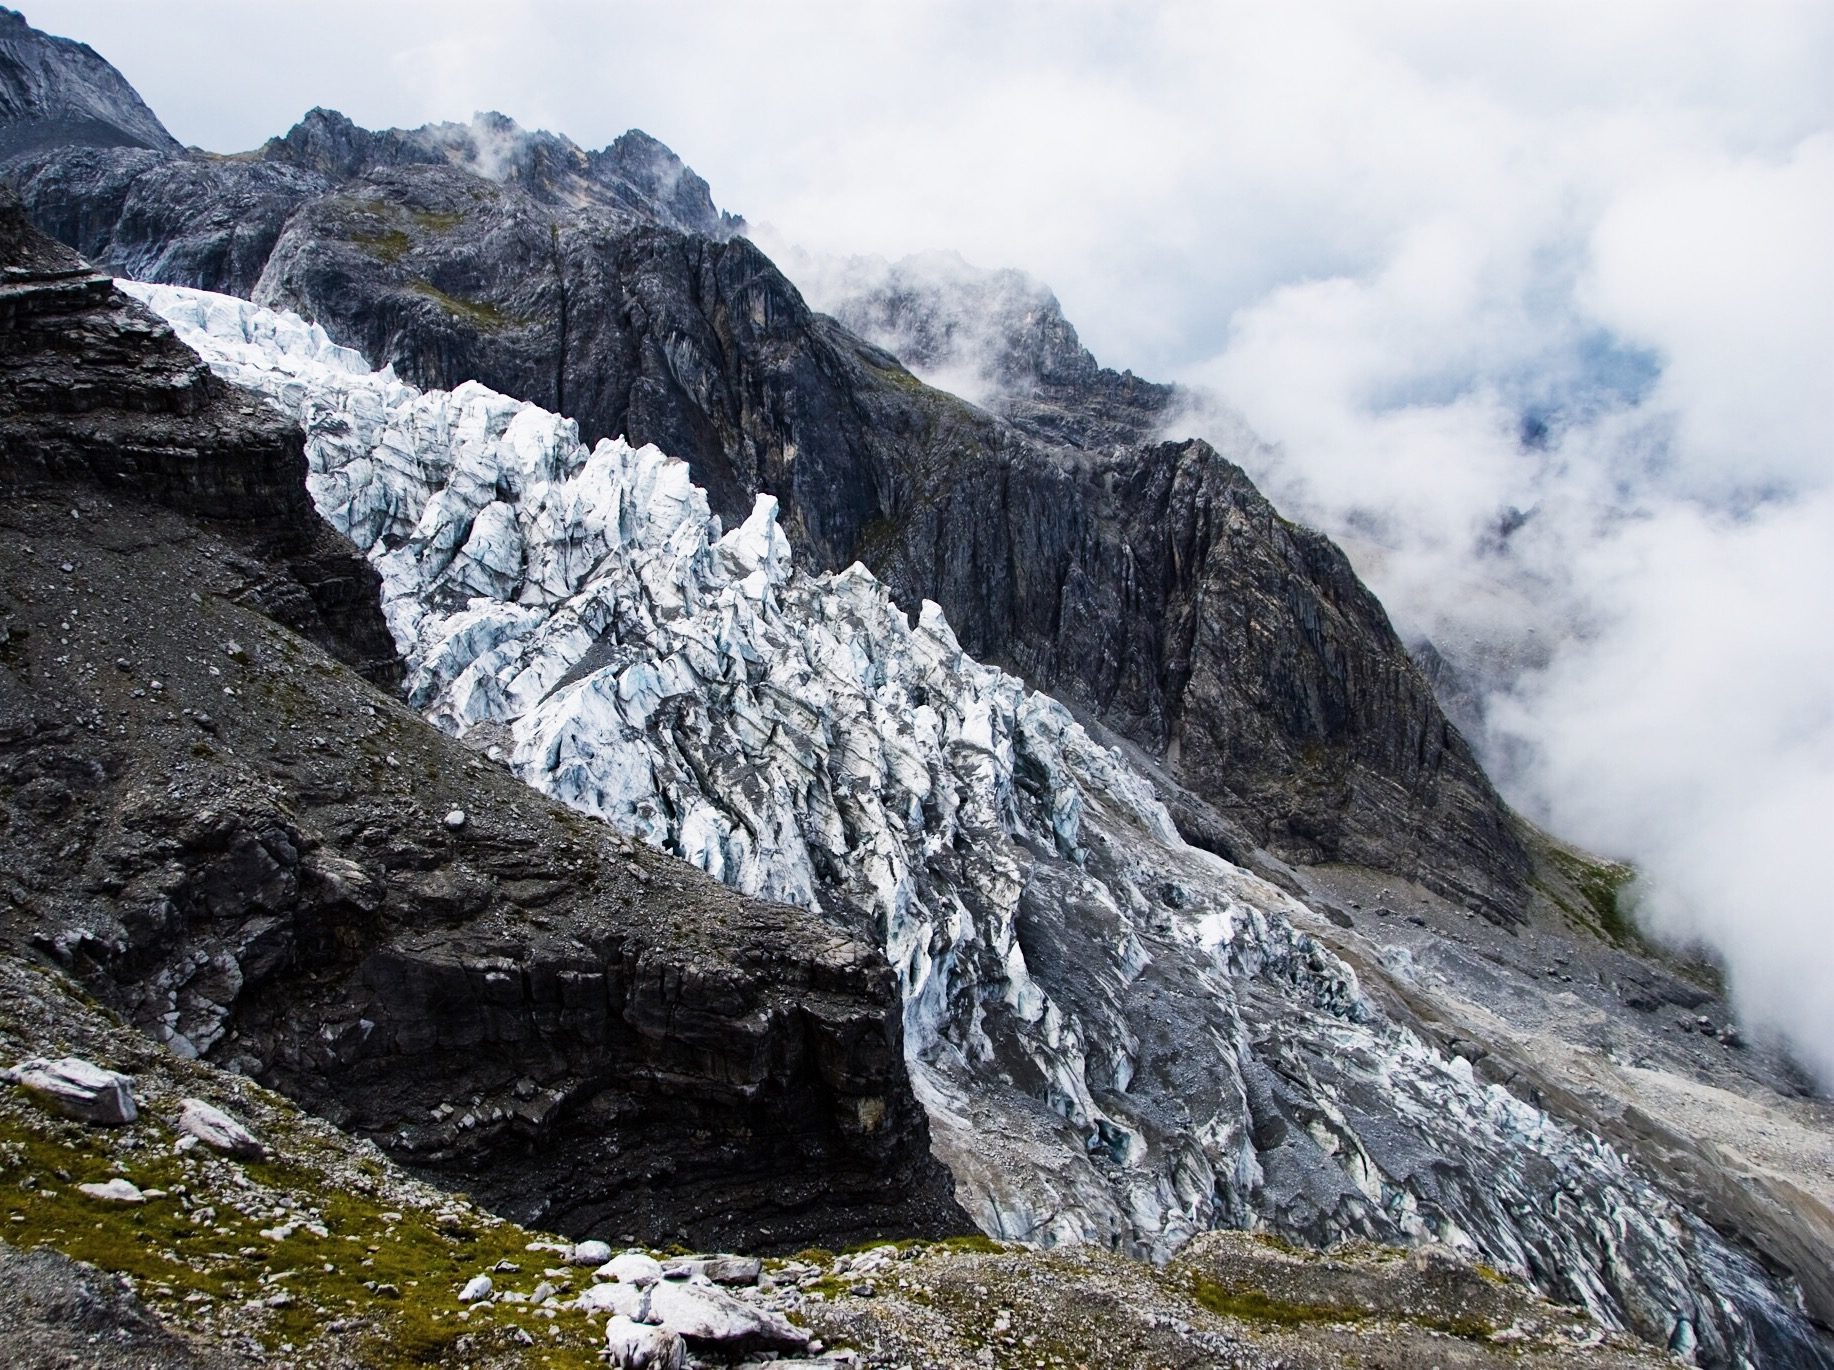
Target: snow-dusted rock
[[638, 1346], [707, 1316], [631, 1267], [117, 1190], [589, 1253], [79, 1089], [217, 1130]]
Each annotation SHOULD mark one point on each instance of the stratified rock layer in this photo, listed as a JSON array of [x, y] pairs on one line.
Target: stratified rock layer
[[242, 845]]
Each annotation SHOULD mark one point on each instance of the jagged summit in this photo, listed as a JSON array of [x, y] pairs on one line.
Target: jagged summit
[[996, 337], [55, 92], [636, 173]]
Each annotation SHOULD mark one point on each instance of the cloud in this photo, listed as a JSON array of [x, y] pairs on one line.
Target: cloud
[[1533, 302]]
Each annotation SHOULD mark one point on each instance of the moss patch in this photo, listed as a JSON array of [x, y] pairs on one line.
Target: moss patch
[[1255, 1305], [388, 245], [480, 312], [279, 1256]]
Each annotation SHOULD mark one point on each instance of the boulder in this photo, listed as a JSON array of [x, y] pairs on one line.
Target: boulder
[[117, 1191], [218, 1131], [589, 1253], [729, 1270], [625, 1300], [633, 1267], [79, 1089], [709, 1318], [636, 1346], [476, 1289]]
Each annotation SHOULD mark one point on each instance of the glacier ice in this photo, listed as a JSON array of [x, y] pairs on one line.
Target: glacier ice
[[1118, 1038]]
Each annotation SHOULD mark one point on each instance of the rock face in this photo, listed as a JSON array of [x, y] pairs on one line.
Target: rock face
[[54, 92], [97, 390], [1119, 1038], [606, 287], [239, 843]]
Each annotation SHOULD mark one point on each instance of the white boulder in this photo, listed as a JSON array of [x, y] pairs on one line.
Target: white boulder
[[626, 1300], [708, 1316], [633, 1267], [218, 1131], [476, 1289], [589, 1253], [117, 1191], [79, 1089], [636, 1346]]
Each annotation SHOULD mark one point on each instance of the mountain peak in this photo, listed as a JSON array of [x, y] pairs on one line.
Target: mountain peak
[[636, 173], [56, 91]]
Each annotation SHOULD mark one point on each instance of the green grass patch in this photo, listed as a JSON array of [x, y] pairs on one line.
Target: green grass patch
[[221, 1260], [1600, 884], [480, 312], [387, 245], [1257, 1306]]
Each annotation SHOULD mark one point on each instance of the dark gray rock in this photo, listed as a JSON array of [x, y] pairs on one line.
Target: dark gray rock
[[55, 92], [58, 1312], [652, 1050], [98, 391]]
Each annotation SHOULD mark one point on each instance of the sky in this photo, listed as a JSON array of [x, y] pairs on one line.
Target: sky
[[1533, 304]]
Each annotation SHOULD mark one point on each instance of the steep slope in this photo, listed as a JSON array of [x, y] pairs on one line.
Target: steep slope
[[1119, 1038], [322, 1255], [605, 286], [55, 92], [253, 854]]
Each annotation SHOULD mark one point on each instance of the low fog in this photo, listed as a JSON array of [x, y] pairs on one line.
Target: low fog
[[1533, 306]]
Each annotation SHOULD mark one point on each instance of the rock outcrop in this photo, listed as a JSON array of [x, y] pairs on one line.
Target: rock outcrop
[[98, 391], [241, 845], [997, 338]]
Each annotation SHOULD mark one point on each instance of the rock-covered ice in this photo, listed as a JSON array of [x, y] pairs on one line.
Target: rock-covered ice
[[1118, 1038]]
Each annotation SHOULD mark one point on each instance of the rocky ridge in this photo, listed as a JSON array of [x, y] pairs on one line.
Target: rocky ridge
[[1119, 1038], [996, 338], [605, 286]]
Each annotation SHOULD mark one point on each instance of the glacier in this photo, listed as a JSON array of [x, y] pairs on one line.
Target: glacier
[[1118, 1038]]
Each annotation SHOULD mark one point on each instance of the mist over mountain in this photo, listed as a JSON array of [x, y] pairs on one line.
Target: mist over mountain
[[717, 739]]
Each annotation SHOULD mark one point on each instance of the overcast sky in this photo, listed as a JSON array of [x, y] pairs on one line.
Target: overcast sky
[[1397, 238]]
